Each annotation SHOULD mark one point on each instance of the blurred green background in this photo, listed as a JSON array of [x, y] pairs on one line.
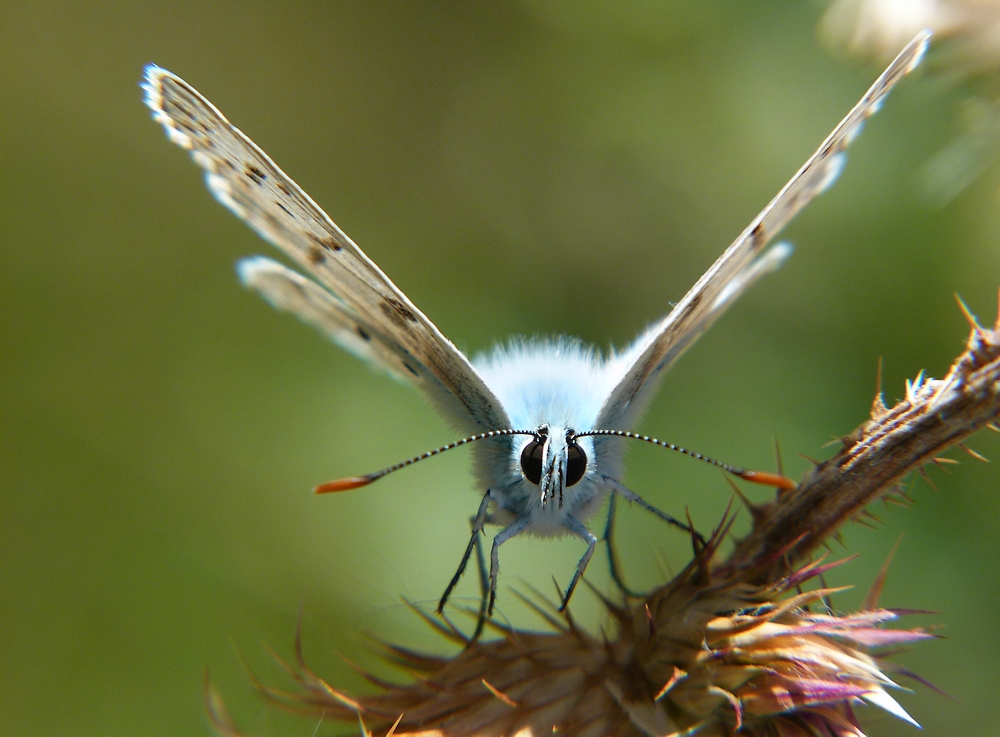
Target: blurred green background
[[516, 167]]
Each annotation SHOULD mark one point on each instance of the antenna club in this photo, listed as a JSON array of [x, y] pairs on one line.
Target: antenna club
[[354, 482], [768, 479]]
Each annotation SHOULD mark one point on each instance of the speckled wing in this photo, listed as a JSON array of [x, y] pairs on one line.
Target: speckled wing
[[244, 179], [288, 290], [746, 259]]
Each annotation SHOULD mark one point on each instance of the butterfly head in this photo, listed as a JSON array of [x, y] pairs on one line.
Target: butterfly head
[[553, 460]]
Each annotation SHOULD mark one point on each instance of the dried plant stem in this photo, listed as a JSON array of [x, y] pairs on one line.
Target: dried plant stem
[[935, 415]]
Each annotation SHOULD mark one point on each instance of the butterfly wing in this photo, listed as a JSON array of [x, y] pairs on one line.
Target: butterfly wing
[[363, 301], [289, 291], [745, 260]]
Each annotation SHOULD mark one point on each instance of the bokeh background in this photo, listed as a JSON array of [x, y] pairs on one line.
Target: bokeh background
[[519, 167]]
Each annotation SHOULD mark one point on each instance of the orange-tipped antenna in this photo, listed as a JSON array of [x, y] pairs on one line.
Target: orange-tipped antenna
[[356, 482], [754, 477]]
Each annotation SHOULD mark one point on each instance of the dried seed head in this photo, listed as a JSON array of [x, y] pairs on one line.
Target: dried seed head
[[696, 656]]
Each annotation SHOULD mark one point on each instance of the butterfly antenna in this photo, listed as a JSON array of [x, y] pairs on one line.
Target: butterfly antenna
[[356, 482], [757, 477]]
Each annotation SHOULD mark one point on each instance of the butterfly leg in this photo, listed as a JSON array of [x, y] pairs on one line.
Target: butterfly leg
[[514, 528], [484, 587], [478, 522], [631, 496], [612, 552], [580, 530]]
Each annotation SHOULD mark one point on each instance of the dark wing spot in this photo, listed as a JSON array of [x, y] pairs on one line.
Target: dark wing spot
[[410, 368], [283, 187], [758, 236], [316, 256], [287, 211], [397, 312], [255, 174], [328, 243], [362, 332]]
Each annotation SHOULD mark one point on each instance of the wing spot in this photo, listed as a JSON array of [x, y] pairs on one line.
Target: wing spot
[[286, 210], [255, 174], [328, 243], [758, 236], [397, 312], [410, 368], [362, 333], [283, 187], [316, 256], [691, 307]]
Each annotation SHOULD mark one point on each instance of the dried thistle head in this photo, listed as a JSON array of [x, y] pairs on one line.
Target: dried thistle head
[[703, 655], [730, 644]]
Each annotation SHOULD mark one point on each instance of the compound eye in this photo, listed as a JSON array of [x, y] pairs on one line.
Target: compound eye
[[531, 461], [576, 464]]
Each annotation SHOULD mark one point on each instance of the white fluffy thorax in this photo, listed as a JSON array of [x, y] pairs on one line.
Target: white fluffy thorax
[[560, 384], [555, 381]]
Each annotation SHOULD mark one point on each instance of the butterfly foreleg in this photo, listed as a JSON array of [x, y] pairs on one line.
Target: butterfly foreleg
[[580, 530], [478, 522], [631, 496], [513, 529], [484, 586]]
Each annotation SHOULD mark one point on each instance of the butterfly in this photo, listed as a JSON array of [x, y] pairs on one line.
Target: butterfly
[[543, 414]]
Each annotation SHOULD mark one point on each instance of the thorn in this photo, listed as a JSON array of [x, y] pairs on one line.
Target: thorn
[[941, 465], [973, 453], [969, 317], [898, 500], [997, 326], [912, 387], [499, 694], [392, 729], [757, 512], [878, 405], [865, 523], [923, 472], [704, 575], [938, 460], [873, 517], [678, 674], [777, 457], [811, 460], [827, 599], [617, 612], [650, 620], [872, 597]]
